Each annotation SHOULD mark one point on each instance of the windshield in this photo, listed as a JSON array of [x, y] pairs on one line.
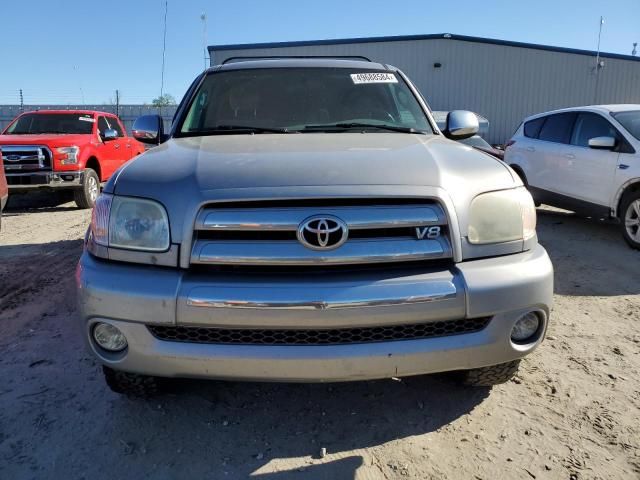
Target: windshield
[[282, 100], [78, 123], [475, 141], [630, 121]]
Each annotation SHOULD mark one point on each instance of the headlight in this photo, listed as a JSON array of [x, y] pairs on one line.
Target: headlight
[[131, 223], [68, 155], [502, 216]]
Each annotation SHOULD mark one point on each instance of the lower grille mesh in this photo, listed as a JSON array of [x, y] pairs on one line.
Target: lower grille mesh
[[337, 336]]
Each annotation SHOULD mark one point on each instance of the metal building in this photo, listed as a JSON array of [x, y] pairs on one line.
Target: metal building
[[503, 81]]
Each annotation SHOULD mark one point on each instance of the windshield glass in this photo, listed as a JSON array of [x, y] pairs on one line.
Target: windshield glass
[[304, 99], [52, 123], [630, 121]]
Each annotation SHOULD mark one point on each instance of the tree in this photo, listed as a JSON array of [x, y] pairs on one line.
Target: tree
[[164, 100]]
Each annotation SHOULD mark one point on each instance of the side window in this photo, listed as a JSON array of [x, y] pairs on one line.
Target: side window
[[115, 124], [532, 127], [591, 125], [102, 125], [557, 128]]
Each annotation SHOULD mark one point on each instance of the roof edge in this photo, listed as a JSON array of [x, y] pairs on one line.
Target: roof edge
[[404, 38]]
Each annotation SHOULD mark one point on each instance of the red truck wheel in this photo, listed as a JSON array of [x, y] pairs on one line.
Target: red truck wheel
[[85, 197]]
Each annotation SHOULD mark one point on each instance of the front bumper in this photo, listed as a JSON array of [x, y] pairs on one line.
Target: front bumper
[[33, 180], [134, 296]]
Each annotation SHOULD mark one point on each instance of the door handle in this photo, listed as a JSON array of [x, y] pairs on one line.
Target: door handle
[[531, 149], [570, 156], [622, 166]]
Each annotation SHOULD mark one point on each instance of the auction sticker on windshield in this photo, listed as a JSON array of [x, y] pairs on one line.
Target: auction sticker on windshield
[[376, 77]]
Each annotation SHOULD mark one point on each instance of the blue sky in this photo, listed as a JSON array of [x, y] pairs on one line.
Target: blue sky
[[61, 51]]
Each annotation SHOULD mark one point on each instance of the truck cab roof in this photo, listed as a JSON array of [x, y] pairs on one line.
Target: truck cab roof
[[240, 63]]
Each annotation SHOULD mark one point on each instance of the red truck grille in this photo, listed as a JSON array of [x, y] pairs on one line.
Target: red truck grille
[[26, 158]]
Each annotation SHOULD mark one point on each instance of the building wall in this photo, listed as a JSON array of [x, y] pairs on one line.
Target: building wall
[[127, 113], [501, 82]]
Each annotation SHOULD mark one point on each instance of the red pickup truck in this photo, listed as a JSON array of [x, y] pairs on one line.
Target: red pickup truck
[[65, 149], [4, 191]]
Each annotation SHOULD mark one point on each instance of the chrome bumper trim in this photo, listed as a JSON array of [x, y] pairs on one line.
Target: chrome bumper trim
[[392, 295]]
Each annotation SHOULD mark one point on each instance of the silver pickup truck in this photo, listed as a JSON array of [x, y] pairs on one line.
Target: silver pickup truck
[[305, 220]]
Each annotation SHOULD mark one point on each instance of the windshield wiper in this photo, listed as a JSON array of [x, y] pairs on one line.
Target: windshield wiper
[[352, 125], [224, 129]]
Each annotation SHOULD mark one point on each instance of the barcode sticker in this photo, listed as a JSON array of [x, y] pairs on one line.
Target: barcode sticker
[[374, 77]]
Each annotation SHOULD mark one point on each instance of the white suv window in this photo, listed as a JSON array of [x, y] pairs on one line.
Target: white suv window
[[591, 125], [557, 128]]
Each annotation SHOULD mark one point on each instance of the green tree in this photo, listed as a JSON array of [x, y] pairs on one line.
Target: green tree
[[164, 100]]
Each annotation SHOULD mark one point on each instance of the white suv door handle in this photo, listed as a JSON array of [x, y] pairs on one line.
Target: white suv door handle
[[531, 149], [570, 156]]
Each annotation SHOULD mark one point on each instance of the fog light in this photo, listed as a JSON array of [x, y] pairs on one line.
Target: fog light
[[525, 327], [109, 337]]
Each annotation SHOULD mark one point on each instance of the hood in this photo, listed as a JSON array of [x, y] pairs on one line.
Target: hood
[[184, 173], [52, 140]]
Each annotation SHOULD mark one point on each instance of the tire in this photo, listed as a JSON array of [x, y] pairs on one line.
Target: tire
[[523, 177], [493, 375], [131, 384], [630, 219], [85, 197]]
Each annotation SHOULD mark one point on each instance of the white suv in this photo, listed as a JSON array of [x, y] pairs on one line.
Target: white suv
[[584, 159]]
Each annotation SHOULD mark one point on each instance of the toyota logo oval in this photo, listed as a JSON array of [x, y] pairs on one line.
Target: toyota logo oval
[[323, 232]]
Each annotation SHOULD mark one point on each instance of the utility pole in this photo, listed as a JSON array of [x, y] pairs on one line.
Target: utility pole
[[117, 103], [164, 49], [21, 102], [634, 51]]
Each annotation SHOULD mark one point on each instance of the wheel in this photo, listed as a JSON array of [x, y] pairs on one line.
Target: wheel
[[493, 375], [131, 384], [630, 216], [85, 197], [523, 177]]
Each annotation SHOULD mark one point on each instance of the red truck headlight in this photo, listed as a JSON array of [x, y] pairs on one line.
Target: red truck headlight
[[68, 155]]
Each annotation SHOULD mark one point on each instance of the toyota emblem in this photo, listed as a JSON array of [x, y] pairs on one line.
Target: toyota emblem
[[323, 232]]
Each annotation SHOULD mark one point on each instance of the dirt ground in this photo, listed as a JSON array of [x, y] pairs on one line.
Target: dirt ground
[[573, 413]]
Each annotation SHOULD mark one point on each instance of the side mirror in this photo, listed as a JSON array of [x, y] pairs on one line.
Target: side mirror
[[109, 134], [149, 129], [602, 143], [461, 124]]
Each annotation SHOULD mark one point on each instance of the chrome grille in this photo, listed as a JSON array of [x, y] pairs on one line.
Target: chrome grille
[[335, 336], [381, 231], [23, 158]]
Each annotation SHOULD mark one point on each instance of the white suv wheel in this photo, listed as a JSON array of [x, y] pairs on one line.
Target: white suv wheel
[[632, 220]]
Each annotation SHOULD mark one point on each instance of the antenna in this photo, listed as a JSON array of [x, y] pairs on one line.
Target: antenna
[[203, 17], [599, 37], [634, 51], [599, 64]]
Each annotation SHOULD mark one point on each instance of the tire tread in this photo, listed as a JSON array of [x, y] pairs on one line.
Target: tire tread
[[492, 375]]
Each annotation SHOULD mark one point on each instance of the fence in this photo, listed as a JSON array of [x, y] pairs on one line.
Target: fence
[[127, 113]]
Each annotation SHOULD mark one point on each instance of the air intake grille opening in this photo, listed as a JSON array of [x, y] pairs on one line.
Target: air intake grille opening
[[336, 336]]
